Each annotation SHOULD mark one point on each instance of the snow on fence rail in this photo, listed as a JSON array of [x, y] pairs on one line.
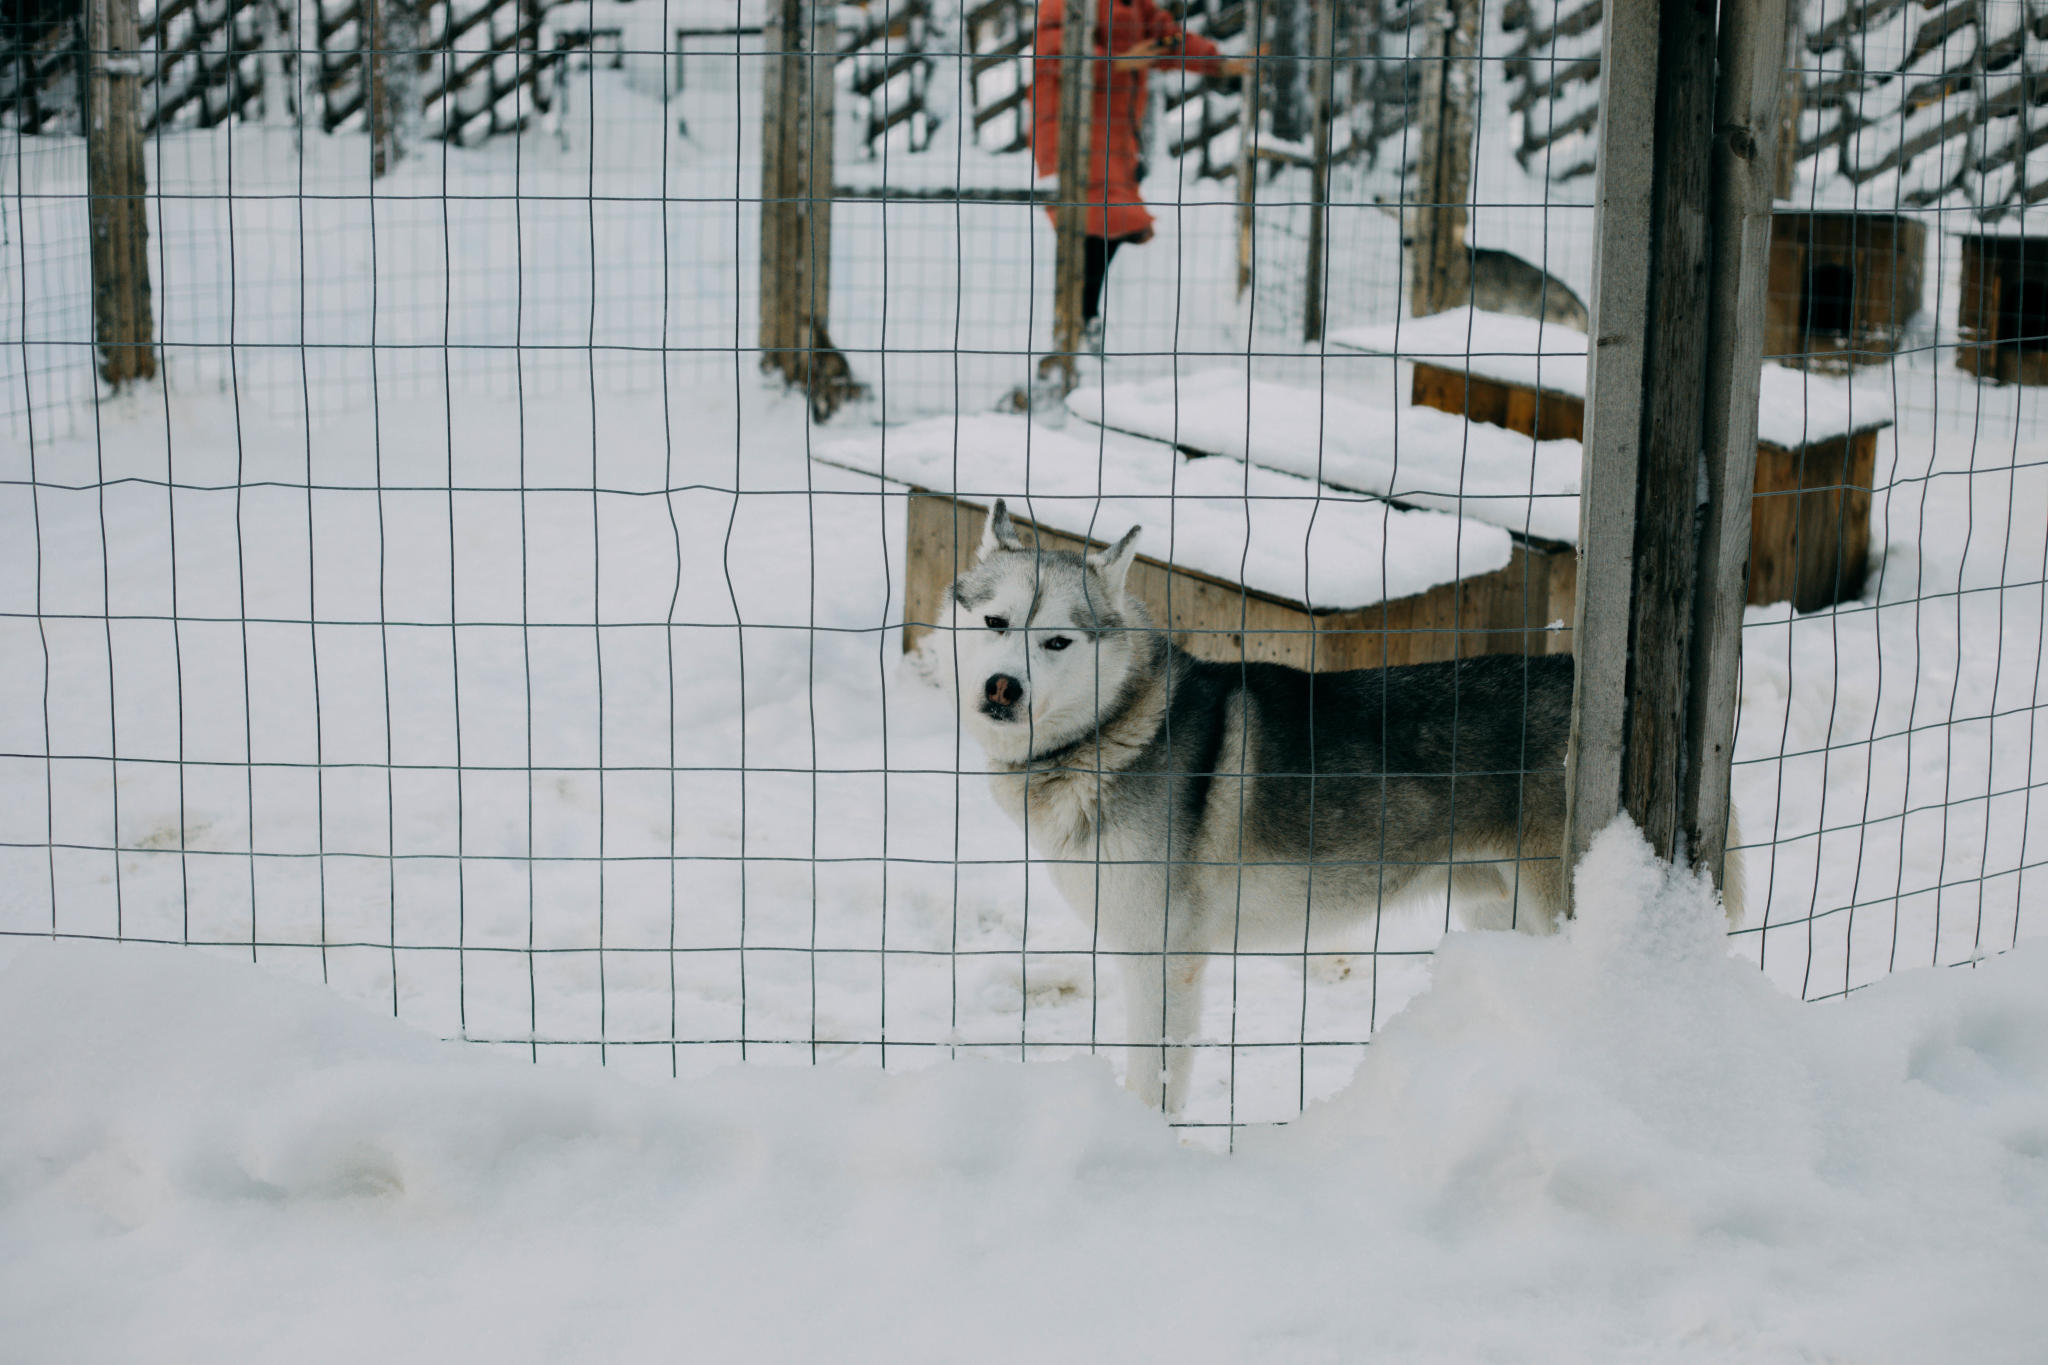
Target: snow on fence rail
[[464, 621]]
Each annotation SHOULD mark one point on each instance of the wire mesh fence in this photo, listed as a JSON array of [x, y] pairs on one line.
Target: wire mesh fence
[[464, 617]]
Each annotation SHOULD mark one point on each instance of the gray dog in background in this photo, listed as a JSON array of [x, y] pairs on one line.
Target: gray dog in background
[[1190, 809]]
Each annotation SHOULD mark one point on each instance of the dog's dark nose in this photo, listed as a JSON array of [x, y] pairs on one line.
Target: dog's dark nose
[[1004, 690]]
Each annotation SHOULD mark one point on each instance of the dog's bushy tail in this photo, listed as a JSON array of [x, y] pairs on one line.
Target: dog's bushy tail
[[1733, 882]]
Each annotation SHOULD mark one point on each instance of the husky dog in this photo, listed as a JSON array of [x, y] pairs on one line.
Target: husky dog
[[1190, 808]]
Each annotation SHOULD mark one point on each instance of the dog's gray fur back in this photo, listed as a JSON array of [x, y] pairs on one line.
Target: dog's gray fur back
[[1192, 808], [1503, 282]]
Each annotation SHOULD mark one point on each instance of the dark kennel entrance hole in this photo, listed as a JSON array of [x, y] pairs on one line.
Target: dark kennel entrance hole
[[1829, 300], [2023, 316]]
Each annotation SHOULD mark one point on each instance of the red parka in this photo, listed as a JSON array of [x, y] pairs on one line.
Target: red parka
[[1116, 210]]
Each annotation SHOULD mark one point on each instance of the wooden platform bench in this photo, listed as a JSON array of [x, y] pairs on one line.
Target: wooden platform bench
[[1238, 562]]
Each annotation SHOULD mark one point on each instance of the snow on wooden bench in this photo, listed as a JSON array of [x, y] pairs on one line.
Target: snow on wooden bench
[[1420, 457], [1238, 562], [1816, 436]]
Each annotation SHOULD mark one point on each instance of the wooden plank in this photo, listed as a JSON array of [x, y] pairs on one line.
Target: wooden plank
[[1667, 492], [1750, 60], [1614, 399], [1541, 413], [123, 321], [1503, 612]]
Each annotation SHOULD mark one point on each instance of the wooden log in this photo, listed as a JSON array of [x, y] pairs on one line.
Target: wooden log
[[123, 321], [1507, 611]]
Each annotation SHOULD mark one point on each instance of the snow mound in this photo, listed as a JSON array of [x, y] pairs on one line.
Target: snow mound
[[1614, 1144], [1272, 532]]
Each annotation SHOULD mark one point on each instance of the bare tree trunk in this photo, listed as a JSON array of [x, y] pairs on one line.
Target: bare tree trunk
[[115, 184]]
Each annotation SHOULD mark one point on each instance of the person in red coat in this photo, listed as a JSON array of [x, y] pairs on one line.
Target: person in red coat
[[1138, 36]]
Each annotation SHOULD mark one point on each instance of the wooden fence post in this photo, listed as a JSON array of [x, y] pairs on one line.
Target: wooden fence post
[[1248, 111], [391, 38], [1322, 80], [115, 185], [1439, 269], [1070, 214], [1680, 267], [1749, 88], [801, 40]]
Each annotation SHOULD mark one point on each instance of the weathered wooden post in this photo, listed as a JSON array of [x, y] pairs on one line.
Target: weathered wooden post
[[1688, 121], [1439, 270], [391, 37], [1070, 213], [1321, 86], [1249, 108], [1793, 96], [800, 39], [115, 185]]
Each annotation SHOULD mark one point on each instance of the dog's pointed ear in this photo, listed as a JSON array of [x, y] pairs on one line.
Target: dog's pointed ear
[[998, 533], [1114, 564]]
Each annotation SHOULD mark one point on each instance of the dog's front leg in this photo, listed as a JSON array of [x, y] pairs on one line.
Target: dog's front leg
[[1163, 999]]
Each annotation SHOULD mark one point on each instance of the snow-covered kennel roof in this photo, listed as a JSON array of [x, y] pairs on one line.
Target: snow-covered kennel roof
[[1273, 532]]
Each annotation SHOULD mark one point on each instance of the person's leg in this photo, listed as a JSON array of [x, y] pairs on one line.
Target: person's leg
[[1094, 265]]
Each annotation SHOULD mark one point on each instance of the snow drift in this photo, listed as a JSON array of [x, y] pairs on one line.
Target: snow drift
[[1616, 1144]]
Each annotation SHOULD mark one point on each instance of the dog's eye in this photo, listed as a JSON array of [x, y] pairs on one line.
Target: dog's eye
[[1058, 642], [996, 622]]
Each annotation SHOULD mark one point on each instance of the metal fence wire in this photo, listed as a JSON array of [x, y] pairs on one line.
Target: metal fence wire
[[503, 572]]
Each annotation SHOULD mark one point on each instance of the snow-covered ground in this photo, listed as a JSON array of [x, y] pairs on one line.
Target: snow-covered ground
[[487, 643], [1619, 1144], [601, 746]]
